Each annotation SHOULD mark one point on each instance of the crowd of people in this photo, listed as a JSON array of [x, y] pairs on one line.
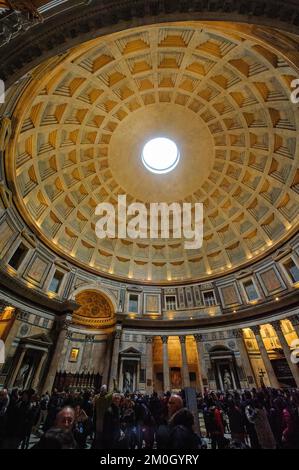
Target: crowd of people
[[259, 419]]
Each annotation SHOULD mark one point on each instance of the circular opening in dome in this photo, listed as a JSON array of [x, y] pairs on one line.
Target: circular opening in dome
[[160, 155]]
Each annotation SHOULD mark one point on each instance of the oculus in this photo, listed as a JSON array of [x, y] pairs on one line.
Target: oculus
[[160, 155]]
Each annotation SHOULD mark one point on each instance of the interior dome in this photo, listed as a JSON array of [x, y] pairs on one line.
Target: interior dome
[[222, 95]]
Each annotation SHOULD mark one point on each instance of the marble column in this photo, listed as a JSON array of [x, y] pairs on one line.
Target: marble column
[[185, 374], [89, 340], [149, 383], [17, 321], [91, 356], [264, 354], [166, 372], [295, 322], [17, 368], [286, 350], [53, 369], [121, 376], [115, 358], [37, 375], [202, 374], [107, 360], [245, 360]]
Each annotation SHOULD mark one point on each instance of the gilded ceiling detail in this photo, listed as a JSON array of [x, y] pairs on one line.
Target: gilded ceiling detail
[[224, 97], [95, 310]]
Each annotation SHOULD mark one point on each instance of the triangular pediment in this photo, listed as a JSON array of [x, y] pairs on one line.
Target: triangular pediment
[[41, 339], [131, 351]]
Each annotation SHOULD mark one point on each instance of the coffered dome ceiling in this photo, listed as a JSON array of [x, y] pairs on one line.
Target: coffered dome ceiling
[[220, 94]]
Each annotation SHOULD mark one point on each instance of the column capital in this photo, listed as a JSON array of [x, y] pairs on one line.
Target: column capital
[[118, 334], [89, 339], [238, 334], [183, 339], [277, 326], [165, 339], [149, 339], [65, 325], [4, 304], [199, 338], [69, 334], [294, 320], [256, 330]]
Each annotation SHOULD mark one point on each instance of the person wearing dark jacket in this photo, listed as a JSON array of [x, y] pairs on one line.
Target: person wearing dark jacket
[[113, 435], [178, 433]]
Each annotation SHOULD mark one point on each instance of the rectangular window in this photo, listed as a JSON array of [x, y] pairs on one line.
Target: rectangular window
[[18, 257], [133, 303], [209, 299], [170, 303], [251, 291], [56, 282], [292, 270]]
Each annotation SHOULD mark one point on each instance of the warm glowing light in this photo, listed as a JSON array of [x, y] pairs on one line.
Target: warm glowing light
[[160, 155]]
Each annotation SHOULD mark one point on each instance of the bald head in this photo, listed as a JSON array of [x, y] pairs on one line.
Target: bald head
[[65, 419], [175, 404]]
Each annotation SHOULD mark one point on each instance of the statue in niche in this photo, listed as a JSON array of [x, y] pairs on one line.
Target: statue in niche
[[22, 376], [227, 380], [128, 381]]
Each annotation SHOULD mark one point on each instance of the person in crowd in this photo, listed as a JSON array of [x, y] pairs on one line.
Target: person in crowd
[[4, 404], [42, 417], [56, 439], [258, 419], [214, 424], [101, 404], [80, 427], [128, 420], [178, 433], [114, 437], [236, 421], [257, 414], [65, 419]]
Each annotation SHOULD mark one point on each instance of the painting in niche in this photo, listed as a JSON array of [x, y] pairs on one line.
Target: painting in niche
[[230, 295], [176, 378], [271, 280], [74, 355], [152, 304], [37, 270]]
